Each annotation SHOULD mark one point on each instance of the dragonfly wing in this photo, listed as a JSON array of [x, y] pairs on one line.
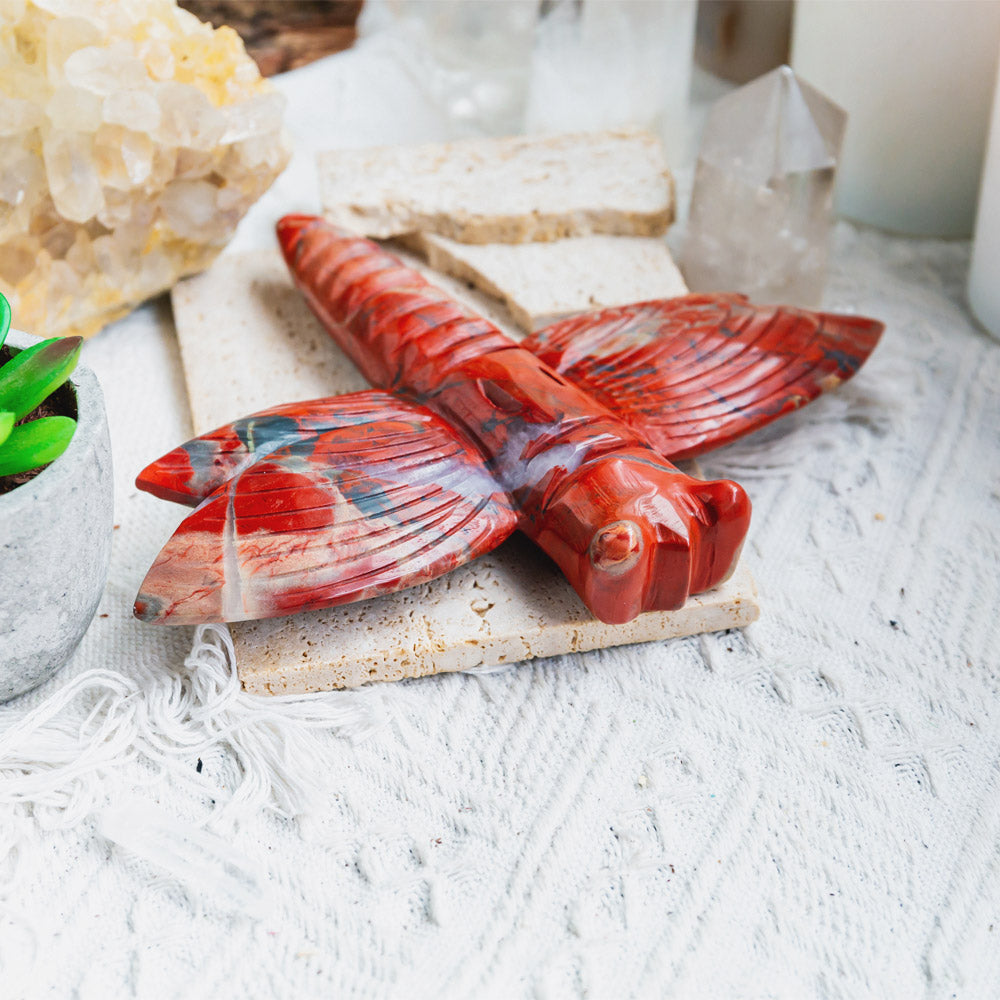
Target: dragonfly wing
[[341, 513], [696, 372], [191, 472]]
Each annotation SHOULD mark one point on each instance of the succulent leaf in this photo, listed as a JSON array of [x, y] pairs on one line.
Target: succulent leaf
[[36, 372], [4, 318], [35, 444], [6, 424]]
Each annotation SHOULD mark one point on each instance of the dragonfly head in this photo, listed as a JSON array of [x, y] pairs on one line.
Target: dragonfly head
[[635, 535]]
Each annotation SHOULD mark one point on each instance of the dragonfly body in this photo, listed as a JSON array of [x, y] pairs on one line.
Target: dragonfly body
[[629, 530], [470, 436]]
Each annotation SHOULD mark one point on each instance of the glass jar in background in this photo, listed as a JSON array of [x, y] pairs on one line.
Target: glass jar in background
[[500, 67], [598, 65], [472, 57]]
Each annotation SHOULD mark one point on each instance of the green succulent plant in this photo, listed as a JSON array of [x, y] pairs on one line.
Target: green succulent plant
[[27, 379]]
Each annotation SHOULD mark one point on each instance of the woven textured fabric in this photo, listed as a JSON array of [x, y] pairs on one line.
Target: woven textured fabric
[[809, 808]]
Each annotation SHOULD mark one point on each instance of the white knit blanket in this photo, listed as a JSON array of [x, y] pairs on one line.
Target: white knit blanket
[[810, 808]]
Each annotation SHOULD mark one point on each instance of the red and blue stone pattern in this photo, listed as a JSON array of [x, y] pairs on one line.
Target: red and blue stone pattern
[[469, 436]]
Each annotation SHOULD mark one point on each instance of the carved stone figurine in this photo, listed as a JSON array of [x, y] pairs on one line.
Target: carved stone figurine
[[470, 436]]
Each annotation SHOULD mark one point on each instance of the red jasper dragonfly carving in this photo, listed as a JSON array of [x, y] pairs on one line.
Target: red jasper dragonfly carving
[[470, 436]]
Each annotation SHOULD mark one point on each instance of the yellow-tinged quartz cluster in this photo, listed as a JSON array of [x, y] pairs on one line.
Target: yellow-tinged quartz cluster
[[133, 138]]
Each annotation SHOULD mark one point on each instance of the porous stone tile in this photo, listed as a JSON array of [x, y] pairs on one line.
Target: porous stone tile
[[507, 190], [543, 282], [510, 605]]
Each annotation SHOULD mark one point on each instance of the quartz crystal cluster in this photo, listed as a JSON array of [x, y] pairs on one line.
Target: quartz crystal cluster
[[133, 138], [762, 204]]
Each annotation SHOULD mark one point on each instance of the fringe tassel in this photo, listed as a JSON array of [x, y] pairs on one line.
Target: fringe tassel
[[56, 758]]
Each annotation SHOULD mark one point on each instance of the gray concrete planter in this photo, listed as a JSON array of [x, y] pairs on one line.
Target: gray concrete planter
[[55, 544]]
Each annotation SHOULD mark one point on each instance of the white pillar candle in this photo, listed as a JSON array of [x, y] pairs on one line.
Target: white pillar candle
[[916, 78], [984, 275]]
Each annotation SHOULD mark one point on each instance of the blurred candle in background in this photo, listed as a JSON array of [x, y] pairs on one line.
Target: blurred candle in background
[[984, 276], [916, 79]]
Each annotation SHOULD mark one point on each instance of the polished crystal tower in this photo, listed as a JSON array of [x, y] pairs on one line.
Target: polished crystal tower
[[761, 208]]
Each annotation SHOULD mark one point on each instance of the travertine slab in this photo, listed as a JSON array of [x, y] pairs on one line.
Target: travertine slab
[[510, 605], [248, 342], [508, 190], [543, 282]]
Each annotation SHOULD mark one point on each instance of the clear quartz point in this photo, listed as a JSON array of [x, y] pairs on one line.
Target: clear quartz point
[[762, 204]]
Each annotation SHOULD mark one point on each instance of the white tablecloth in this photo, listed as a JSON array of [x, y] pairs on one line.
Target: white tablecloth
[[810, 808]]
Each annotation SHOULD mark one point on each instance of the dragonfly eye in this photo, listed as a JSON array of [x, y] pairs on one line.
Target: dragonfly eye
[[616, 547]]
